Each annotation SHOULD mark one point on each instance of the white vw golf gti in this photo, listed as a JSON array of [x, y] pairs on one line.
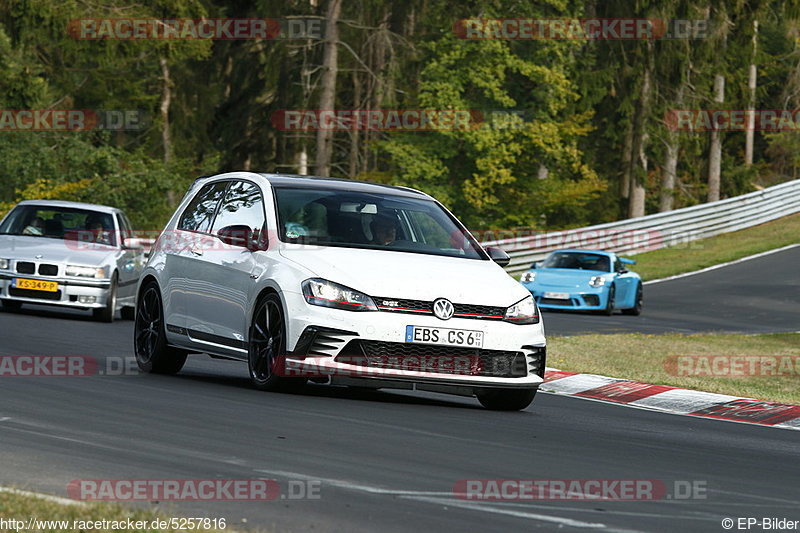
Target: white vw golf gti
[[336, 281]]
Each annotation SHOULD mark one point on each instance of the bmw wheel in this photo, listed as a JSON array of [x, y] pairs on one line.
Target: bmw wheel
[[106, 314]]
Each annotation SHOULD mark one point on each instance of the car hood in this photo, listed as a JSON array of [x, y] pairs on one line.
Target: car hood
[[392, 274], [52, 250], [566, 277]]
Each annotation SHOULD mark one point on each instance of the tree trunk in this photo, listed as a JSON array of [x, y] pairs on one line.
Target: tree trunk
[[327, 97], [627, 150], [166, 98], [751, 85], [166, 140], [715, 153], [669, 177], [638, 158], [355, 132]]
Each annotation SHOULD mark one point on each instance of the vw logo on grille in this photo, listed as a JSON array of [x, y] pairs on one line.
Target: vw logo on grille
[[443, 309]]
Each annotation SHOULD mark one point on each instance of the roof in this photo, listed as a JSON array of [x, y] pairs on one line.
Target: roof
[[314, 182], [74, 205], [586, 251]]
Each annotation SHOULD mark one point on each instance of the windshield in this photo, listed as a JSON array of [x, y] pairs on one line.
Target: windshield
[[578, 261], [363, 220], [49, 222]]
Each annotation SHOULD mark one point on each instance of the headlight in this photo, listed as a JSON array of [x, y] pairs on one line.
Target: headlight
[[4, 264], [523, 312], [528, 277], [597, 281], [85, 272], [329, 294]]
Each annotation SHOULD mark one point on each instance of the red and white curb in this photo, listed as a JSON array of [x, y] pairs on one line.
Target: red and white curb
[[672, 399]]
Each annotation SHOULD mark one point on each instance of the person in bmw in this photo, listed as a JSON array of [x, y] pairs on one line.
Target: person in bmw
[[70, 255], [291, 275]]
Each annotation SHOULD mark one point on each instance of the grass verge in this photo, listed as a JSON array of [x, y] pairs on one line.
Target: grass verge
[[720, 249], [643, 358], [23, 506]]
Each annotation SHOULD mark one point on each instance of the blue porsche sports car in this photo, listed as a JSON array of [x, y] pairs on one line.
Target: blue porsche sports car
[[585, 280]]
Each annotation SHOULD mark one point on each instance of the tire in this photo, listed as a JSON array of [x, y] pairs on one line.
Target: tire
[[636, 310], [153, 355], [128, 313], [506, 399], [106, 314], [11, 305], [267, 341], [609, 310]]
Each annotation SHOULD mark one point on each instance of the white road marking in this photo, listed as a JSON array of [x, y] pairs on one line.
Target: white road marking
[[723, 265], [437, 497]]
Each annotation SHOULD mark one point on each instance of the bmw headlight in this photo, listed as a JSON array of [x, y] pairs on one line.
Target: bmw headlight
[[4, 264], [329, 294], [597, 281], [85, 272], [523, 312], [528, 277]]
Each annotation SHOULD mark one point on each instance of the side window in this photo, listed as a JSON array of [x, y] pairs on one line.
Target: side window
[[200, 211], [243, 206]]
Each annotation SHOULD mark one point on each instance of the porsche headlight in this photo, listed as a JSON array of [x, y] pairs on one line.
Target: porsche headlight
[[329, 294], [85, 272], [4, 264], [528, 277], [597, 281], [523, 312]]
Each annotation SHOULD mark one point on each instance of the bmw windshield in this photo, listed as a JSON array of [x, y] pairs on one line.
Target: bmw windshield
[[350, 219], [60, 223]]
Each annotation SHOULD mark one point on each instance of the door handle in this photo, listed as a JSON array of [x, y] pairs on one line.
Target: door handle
[[198, 253]]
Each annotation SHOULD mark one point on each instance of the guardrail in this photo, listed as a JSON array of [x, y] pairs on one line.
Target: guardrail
[[651, 232]]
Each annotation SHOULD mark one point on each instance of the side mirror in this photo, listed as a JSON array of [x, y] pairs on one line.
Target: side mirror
[[239, 235], [498, 256], [132, 243], [537, 264]]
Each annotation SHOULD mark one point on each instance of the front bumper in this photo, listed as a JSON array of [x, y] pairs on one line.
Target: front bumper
[[585, 300], [69, 291], [326, 342]]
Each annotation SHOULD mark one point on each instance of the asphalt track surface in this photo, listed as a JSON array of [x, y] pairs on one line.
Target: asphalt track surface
[[389, 461]]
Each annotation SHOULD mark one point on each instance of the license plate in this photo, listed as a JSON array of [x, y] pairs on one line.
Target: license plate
[[35, 285], [557, 295], [444, 336]]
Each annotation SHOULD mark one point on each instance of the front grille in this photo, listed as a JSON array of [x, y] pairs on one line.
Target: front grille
[[48, 270], [399, 305], [24, 267], [433, 358], [39, 295], [555, 301]]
